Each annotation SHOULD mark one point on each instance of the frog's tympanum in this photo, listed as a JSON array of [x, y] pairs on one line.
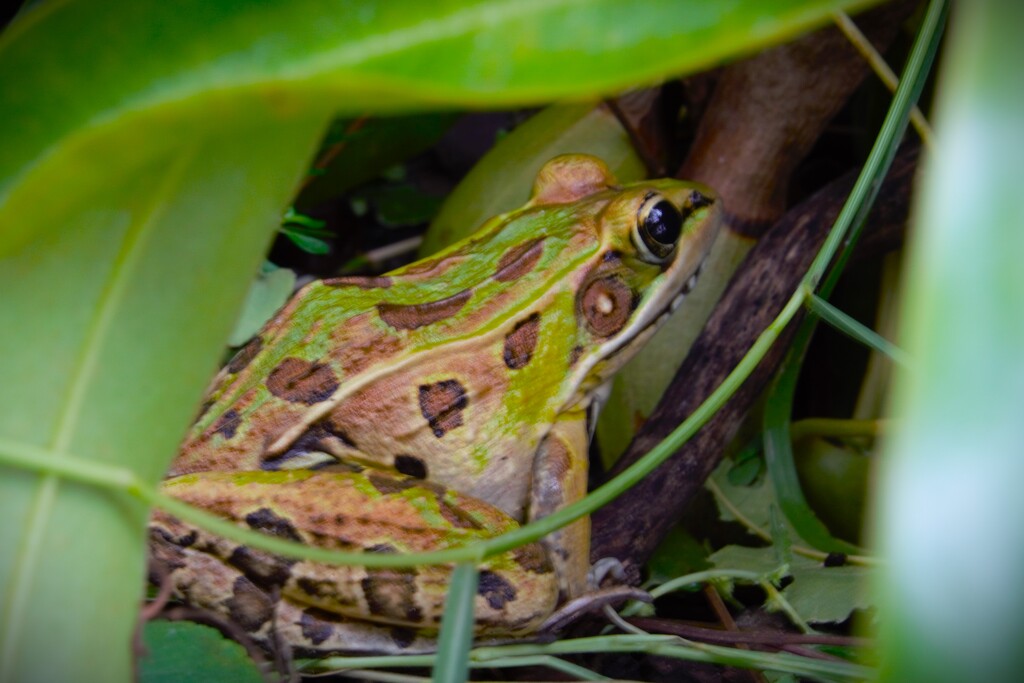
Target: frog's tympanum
[[444, 402]]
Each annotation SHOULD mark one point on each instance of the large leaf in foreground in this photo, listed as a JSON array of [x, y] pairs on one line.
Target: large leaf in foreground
[[952, 517]]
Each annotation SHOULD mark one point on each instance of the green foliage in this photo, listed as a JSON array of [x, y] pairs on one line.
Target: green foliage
[[185, 651], [267, 293], [817, 593], [153, 147]]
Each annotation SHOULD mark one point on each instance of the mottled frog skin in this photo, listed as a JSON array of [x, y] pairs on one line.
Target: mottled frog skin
[[444, 402]]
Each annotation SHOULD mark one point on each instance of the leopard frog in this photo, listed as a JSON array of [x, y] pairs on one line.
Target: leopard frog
[[444, 402]]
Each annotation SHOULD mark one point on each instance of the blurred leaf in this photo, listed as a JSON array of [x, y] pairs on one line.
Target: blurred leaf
[[267, 294], [951, 518], [185, 651]]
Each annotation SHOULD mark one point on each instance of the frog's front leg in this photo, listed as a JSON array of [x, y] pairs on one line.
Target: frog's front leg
[[559, 478], [369, 511]]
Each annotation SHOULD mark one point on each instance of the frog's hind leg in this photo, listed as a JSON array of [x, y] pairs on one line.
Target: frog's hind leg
[[368, 511], [269, 619]]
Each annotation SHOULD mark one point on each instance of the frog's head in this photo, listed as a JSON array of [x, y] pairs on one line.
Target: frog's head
[[645, 245]]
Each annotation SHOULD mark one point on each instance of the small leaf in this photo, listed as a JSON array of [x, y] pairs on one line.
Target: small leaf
[[678, 554], [306, 242], [186, 651], [747, 467], [818, 593], [823, 594]]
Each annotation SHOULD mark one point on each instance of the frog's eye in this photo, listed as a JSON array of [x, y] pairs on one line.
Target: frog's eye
[[658, 226]]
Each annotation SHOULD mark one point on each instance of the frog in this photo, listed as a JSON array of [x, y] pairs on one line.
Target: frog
[[442, 403]]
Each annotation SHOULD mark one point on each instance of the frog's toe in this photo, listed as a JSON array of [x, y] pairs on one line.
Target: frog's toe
[[606, 568]]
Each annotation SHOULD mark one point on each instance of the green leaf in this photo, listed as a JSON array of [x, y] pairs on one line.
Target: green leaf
[[819, 594], [185, 651], [268, 292], [678, 554], [823, 594], [754, 500]]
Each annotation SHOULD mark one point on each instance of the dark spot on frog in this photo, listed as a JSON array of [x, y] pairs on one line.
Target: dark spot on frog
[[165, 555], [458, 518], [495, 589], [316, 624], [245, 355], [386, 484], [532, 558], [519, 260], [183, 541], [228, 423], [521, 342], [390, 593], [264, 569], [442, 405], [402, 637], [248, 606], [321, 588], [323, 437], [411, 465], [268, 522], [301, 381], [575, 354], [378, 282], [412, 316], [606, 305]]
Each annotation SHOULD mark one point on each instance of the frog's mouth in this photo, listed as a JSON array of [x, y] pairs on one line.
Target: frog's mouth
[[683, 292]]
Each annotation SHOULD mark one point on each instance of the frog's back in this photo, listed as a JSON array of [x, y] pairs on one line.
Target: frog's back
[[418, 370]]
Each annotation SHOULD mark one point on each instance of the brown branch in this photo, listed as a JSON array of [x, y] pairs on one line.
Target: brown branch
[[767, 113]]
